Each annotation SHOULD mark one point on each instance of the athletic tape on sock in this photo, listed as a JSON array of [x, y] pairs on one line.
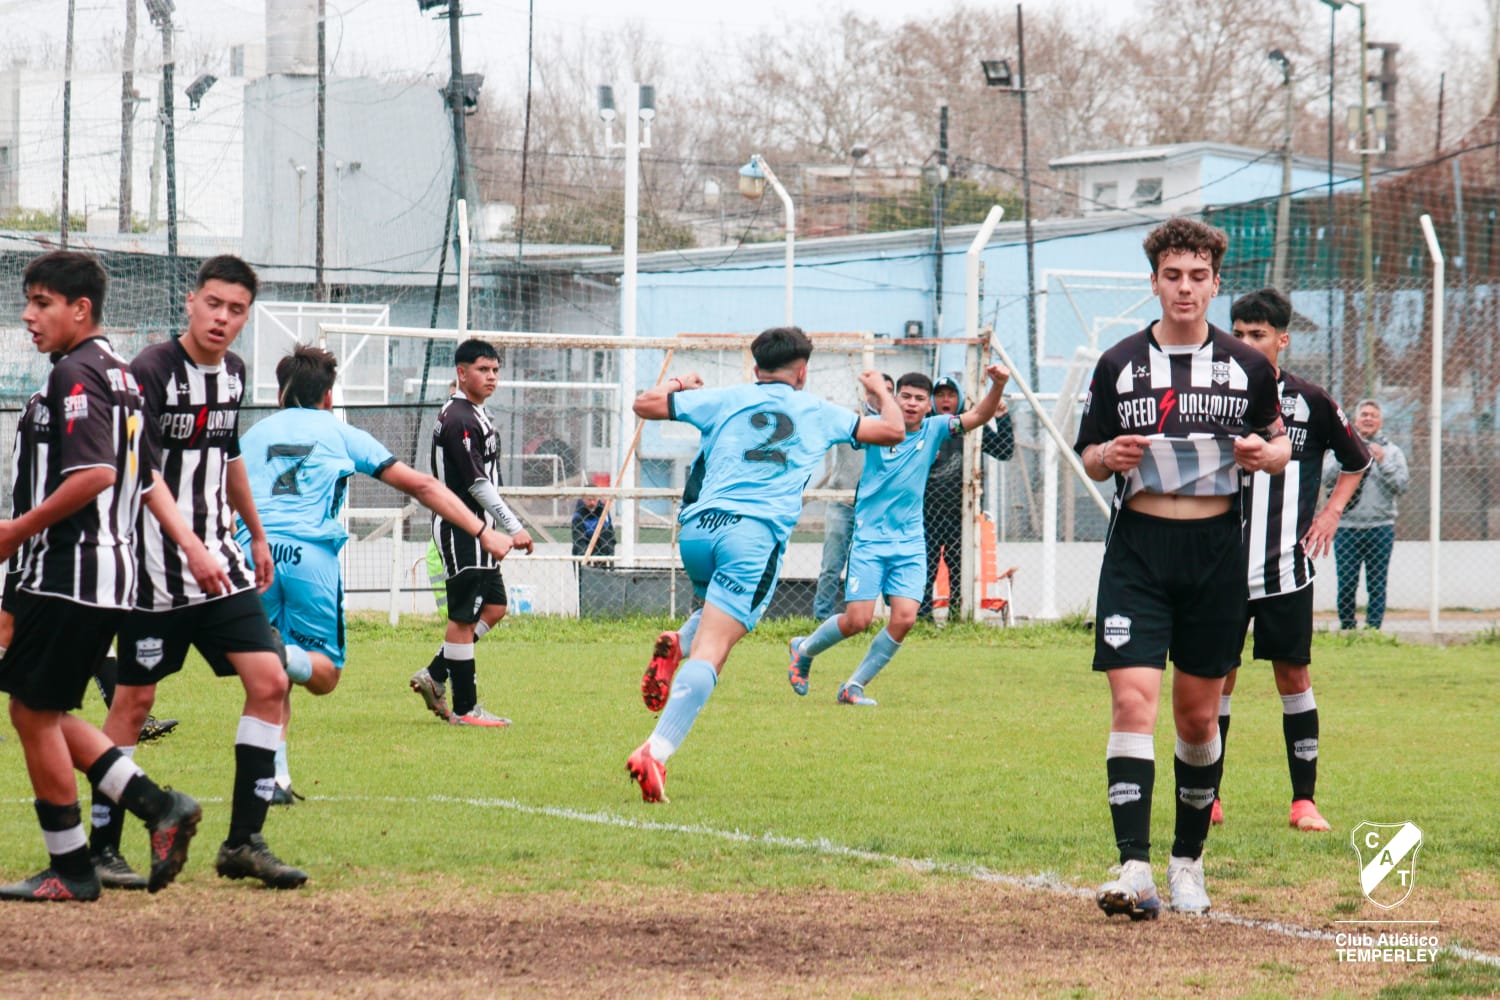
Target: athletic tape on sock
[[458, 651], [65, 841], [1200, 754], [1223, 704], [112, 785], [1141, 746], [258, 733], [1296, 704]]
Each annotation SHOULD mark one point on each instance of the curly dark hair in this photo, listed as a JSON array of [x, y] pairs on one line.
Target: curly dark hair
[[1181, 235]]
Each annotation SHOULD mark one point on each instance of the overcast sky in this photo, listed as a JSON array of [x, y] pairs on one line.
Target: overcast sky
[[393, 34]]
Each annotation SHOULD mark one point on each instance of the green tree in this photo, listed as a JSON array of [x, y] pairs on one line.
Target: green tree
[[965, 202], [603, 222]]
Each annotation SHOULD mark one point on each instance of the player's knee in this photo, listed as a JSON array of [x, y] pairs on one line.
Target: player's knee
[[856, 619]]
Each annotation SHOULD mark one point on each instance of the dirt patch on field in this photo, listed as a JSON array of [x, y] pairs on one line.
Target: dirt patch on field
[[948, 939]]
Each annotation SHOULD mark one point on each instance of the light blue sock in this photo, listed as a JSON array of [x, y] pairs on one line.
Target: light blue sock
[[825, 636], [695, 681], [298, 665], [688, 630], [283, 770], [878, 655]]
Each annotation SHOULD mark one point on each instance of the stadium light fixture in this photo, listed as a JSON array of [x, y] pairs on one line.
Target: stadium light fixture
[[754, 176], [198, 88]]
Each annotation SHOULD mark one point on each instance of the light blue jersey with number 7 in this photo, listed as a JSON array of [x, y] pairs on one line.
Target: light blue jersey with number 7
[[761, 444]]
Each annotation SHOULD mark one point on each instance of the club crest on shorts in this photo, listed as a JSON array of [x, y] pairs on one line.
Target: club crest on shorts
[[854, 585], [1116, 631], [1387, 855], [1220, 372], [148, 652]]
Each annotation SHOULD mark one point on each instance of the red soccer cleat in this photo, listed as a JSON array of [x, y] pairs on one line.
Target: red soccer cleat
[[1216, 816], [1305, 817], [656, 683], [649, 772]]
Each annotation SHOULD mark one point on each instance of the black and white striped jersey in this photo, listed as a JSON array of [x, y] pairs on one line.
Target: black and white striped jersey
[[465, 449], [89, 415], [194, 415], [1192, 402], [1281, 507]]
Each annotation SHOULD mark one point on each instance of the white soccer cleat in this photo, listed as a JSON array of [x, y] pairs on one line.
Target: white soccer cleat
[[1132, 892], [1185, 881]]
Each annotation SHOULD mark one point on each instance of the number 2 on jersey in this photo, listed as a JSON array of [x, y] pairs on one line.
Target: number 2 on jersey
[[783, 429], [287, 481]]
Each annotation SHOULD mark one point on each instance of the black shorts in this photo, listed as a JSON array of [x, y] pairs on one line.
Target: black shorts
[[12, 588], [154, 644], [471, 590], [1173, 587], [56, 647], [1283, 627]]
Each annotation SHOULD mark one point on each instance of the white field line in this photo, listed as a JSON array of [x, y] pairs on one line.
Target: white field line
[[1044, 881]]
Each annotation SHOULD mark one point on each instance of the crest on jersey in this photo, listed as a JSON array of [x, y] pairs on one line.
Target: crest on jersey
[[1220, 372], [1288, 406], [236, 387], [1116, 631], [1387, 860], [148, 652]]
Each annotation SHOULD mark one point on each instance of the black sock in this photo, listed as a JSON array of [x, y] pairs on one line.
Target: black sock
[[254, 782], [1224, 748], [105, 676], [1131, 780], [1301, 733], [58, 820], [465, 690], [438, 668], [1196, 787]]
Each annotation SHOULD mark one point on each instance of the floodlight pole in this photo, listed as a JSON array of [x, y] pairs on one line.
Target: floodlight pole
[[1435, 426], [791, 226]]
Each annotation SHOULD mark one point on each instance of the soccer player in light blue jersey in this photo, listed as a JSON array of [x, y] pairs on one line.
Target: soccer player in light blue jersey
[[887, 557], [761, 443], [299, 461]]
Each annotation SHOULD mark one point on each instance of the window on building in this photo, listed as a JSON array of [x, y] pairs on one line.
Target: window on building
[[1147, 192], [1106, 195]]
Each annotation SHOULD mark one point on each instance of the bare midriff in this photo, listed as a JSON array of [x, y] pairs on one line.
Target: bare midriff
[[1178, 508]]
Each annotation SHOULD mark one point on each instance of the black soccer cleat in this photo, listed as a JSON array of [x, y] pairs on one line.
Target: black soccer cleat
[[170, 836], [286, 796], [253, 859], [155, 729], [52, 886], [114, 872]]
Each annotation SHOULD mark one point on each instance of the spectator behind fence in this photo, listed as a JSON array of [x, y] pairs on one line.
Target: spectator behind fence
[[845, 465], [586, 515], [942, 511], [1367, 533]]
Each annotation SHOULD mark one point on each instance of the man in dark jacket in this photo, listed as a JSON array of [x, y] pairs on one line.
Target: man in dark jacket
[[942, 511]]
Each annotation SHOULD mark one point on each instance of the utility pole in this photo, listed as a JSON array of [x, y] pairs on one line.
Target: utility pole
[[939, 210], [127, 119], [160, 12], [1366, 220], [67, 135], [320, 285], [1284, 203], [456, 99], [1031, 339]]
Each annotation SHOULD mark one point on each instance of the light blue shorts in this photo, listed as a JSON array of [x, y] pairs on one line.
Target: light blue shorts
[[889, 568], [306, 599], [733, 562]]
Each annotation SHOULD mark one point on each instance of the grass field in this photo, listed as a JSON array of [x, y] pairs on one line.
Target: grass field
[[972, 794]]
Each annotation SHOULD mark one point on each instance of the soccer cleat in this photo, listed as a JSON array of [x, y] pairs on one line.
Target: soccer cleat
[[853, 694], [433, 692], [170, 836], [796, 672], [1185, 882], [478, 716], [154, 729], [285, 796], [656, 683], [253, 859], [1216, 815], [649, 772], [1132, 892], [114, 872], [52, 886], [1305, 817]]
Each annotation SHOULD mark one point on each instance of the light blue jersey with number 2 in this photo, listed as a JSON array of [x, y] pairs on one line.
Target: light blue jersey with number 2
[[761, 444]]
